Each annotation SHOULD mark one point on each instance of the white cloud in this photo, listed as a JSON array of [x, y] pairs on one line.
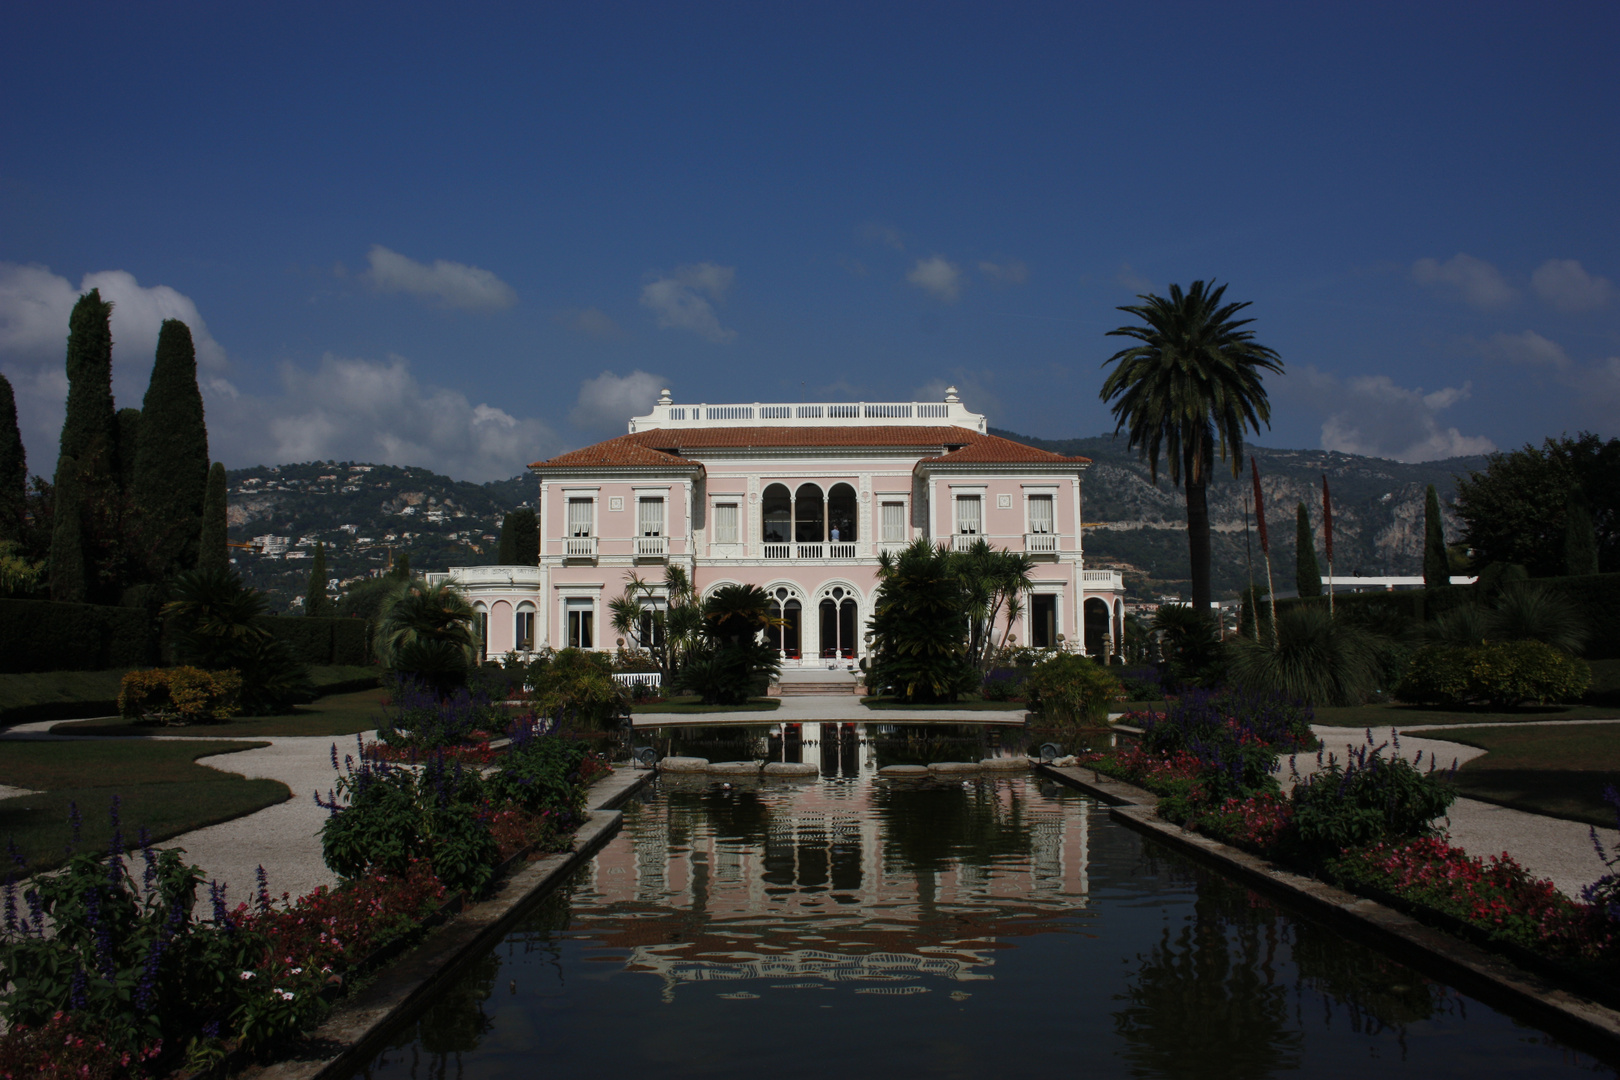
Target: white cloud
[[1370, 415], [1565, 284], [1527, 348], [608, 401], [1476, 281], [35, 305], [1011, 272], [939, 276], [372, 410], [452, 284], [681, 299], [1133, 281], [592, 322]]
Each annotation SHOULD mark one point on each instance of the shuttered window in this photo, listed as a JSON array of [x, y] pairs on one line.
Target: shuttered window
[[725, 523], [579, 517], [650, 516], [1040, 513], [894, 523], [969, 515]]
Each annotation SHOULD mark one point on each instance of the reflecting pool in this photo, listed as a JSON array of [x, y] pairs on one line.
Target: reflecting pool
[[849, 926]]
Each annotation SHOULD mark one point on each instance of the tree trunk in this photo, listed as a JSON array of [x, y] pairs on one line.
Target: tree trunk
[[1198, 542]]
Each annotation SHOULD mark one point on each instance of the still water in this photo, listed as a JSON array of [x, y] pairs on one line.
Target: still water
[[853, 927]]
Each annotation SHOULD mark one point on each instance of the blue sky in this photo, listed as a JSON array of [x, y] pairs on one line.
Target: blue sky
[[469, 236]]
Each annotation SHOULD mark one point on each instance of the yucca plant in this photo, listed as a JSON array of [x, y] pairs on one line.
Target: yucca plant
[[1316, 659]]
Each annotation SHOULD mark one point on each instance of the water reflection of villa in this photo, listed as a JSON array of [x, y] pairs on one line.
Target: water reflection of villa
[[894, 896], [801, 500]]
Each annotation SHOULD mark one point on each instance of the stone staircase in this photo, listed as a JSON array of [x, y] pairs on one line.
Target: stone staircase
[[819, 688]]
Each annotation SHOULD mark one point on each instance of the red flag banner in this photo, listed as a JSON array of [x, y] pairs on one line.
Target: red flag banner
[[1327, 518], [1259, 506]]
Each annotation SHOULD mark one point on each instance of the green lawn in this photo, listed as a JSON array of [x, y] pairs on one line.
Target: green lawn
[[1402, 716], [335, 714], [694, 704], [965, 705], [1557, 770], [160, 786], [57, 695]]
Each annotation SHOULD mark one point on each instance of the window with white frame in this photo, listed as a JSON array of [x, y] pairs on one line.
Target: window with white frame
[[725, 523], [893, 523], [1040, 514], [523, 628], [969, 515], [650, 516], [579, 516], [582, 624]]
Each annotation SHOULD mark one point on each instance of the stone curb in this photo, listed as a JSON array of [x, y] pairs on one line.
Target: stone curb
[[358, 1027], [1474, 970]]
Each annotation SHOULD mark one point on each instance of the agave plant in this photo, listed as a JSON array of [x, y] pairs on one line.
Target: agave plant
[[1520, 611], [1316, 659]]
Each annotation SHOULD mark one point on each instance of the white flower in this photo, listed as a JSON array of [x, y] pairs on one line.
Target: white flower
[[297, 971], [284, 995], [246, 975]]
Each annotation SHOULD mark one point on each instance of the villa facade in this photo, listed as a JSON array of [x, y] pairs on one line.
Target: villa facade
[[799, 499]]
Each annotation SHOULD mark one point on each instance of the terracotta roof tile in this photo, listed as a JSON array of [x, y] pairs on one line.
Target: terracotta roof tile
[[666, 446]]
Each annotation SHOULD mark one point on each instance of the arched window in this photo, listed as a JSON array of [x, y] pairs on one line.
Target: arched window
[[483, 631], [776, 515], [1097, 629], [523, 628], [839, 616], [809, 515], [841, 514], [789, 611]]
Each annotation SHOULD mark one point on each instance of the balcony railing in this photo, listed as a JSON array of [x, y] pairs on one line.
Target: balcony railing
[[1102, 580], [840, 551], [1041, 543], [963, 541], [652, 547], [579, 547], [810, 551]]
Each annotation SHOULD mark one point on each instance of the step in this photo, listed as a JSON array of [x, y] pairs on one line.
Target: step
[[817, 689]]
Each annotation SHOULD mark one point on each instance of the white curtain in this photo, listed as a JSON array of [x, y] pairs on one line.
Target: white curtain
[[725, 523], [651, 513], [969, 516], [579, 517], [1040, 513], [894, 523]]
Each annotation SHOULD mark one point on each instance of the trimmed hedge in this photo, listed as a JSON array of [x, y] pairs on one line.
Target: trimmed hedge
[[322, 641], [44, 635], [1597, 594]]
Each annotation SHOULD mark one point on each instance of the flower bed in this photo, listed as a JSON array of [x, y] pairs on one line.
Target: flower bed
[[133, 980]]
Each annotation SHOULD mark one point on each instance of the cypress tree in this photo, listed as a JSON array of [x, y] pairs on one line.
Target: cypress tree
[[129, 440], [212, 554], [69, 575], [1436, 563], [520, 539], [90, 429], [13, 468], [402, 567], [171, 465], [1580, 537], [1307, 575], [315, 600]]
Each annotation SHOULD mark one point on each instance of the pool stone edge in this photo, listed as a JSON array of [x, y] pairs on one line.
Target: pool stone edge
[[359, 1027], [1489, 976]]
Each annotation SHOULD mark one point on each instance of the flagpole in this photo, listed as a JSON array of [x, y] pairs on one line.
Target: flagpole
[[1327, 535], [1265, 545], [1248, 560]]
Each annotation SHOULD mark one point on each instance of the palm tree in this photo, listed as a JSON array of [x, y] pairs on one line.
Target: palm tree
[[994, 582], [427, 631], [1191, 386]]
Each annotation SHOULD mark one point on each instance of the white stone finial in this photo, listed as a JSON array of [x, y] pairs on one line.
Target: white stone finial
[[950, 395], [664, 398]]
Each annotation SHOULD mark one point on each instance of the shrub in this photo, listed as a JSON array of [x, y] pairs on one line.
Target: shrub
[[1368, 799], [1501, 675], [728, 674], [1142, 683], [391, 815], [44, 635], [1071, 689], [1003, 684], [415, 716], [577, 687], [180, 695], [540, 774], [1315, 658]]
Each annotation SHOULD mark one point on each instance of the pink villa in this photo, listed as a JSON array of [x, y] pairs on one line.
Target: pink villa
[[799, 499]]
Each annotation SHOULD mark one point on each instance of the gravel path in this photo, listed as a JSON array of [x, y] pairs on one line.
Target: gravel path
[[284, 838], [1547, 847]]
